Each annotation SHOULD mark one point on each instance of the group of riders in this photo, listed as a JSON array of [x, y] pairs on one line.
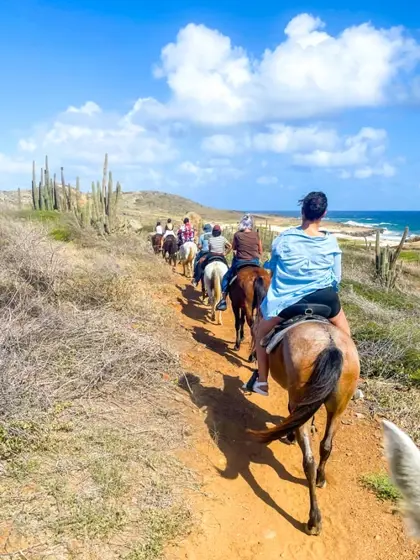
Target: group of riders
[[305, 266]]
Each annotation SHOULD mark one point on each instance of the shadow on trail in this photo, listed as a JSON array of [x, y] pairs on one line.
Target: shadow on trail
[[191, 305], [193, 308], [228, 414]]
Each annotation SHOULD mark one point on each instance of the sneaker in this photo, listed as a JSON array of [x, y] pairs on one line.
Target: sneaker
[[222, 305], [194, 283]]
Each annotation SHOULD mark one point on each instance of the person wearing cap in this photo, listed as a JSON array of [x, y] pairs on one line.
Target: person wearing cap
[[218, 246], [248, 250], [203, 249]]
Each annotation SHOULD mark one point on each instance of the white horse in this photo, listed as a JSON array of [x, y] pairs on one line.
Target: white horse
[[213, 274], [404, 463], [187, 254]]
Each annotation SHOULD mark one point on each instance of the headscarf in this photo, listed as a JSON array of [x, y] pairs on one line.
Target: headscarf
[[246, 223], [207, 228]]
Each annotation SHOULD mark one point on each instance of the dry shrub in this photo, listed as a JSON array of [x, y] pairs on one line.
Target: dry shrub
[[74, 320], [398, 403]]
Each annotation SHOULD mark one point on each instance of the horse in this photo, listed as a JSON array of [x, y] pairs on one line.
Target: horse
[[170, 249], [317, 364], [156, 242], [187, 255], [246, 294], [213, 274], [403, 458]]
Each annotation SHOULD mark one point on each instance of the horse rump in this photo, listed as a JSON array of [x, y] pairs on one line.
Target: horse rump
[[326, 372]]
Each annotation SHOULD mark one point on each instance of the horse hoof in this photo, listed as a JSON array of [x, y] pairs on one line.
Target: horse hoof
[[236, 347], [313, 531], [321, 484]]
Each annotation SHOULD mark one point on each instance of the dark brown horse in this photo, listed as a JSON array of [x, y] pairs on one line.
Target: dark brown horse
[[170, 250], [318, 365], [157, 242], [246, 294]]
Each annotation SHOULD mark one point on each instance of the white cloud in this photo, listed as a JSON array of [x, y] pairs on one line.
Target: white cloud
[[85, 135], [14, 165], [267, 180], [284, 139], [26, 145], [309, 73], [352, 151], [386, 170], [89, 108], [221, 144]]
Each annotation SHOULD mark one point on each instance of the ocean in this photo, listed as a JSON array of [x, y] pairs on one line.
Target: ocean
[[393, 222]]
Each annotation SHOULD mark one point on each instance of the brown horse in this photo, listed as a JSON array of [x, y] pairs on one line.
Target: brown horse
[[157, 242], [317, 364], [170, 249], [246, 294]]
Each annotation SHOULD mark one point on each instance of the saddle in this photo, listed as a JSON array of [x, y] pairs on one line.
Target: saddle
[[216, 258], [240, 267], [295, 315]]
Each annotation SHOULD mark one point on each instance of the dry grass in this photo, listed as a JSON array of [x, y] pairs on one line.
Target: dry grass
[[88, 426]]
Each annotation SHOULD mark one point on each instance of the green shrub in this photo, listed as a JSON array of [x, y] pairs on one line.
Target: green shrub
[[381, 485]]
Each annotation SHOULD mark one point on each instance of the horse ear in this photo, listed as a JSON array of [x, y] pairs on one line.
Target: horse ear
[[404, 462]]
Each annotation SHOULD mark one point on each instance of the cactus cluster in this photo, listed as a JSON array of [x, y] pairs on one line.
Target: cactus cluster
[[386, 261], [97, 209]]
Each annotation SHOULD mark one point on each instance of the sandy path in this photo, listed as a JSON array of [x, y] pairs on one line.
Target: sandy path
[[254, 499]]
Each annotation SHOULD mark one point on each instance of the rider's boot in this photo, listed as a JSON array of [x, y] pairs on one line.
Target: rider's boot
[[222, 305]]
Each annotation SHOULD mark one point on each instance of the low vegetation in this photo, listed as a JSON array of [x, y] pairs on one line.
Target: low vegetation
[[381, 485], [89, 428]]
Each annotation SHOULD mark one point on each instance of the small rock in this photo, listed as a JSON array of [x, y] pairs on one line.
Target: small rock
[[358, 395], [359, 415], [270, 534], [346, 422]]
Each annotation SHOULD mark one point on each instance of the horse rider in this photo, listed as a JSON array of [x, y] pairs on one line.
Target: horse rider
[[203, 249], [247, 248], [306, 268], [185, 233], [169, 226], [218, 246], [158, 229]]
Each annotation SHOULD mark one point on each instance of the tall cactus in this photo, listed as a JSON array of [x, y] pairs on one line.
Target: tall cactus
[[386, 260], [99, 209], [41, 191], [34, 188]]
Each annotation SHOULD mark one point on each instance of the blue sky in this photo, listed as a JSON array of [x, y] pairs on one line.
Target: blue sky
[[233, 104]]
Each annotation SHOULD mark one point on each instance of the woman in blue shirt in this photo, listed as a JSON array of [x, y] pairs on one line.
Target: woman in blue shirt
[[306, 268]]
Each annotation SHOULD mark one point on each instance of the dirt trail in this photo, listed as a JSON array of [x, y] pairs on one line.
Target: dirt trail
[[254, 499]]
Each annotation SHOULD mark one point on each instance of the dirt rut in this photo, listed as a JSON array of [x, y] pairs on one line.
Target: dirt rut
[[254, 500]]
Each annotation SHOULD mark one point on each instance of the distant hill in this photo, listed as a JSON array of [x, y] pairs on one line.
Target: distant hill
[[153, 205]]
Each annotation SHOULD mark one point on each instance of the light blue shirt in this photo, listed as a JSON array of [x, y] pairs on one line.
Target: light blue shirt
[[204, 242], [300, 265]]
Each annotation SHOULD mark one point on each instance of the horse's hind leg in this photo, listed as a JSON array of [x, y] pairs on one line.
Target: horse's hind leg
[[242, 320], [238, 327], [314, 524], [325, 447]]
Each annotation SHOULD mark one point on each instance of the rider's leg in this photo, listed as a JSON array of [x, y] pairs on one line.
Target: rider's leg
[[258, 382], [340, 321]]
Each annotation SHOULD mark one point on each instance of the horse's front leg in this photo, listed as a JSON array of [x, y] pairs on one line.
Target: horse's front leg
[[314, 524]]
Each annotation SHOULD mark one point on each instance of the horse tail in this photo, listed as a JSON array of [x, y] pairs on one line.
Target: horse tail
[[260, 291], [216, 285], [325, 375]]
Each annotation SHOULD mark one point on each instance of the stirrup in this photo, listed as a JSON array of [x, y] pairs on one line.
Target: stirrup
[[255, 386]]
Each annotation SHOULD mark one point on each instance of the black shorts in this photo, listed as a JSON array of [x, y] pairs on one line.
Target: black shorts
[[327, 296]]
